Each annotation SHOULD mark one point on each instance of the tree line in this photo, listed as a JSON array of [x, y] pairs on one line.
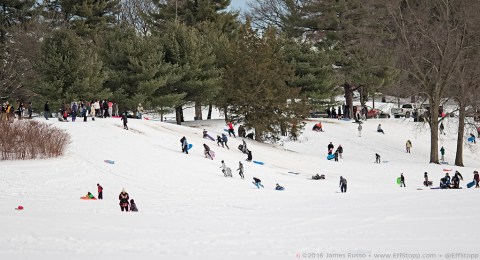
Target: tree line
[[265, 69]]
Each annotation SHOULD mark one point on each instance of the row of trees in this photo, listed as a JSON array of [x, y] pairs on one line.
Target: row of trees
[[265, 71]]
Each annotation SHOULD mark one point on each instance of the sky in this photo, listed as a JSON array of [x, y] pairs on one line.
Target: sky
[[239, 4]]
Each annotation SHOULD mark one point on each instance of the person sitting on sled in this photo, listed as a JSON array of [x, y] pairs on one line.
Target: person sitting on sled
[[278, 187]]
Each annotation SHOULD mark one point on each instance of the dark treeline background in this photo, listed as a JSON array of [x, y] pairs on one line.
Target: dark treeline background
[[266, 69]]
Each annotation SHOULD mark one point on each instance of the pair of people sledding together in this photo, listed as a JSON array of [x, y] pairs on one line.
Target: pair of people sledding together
[[227, 172], [334, 155]]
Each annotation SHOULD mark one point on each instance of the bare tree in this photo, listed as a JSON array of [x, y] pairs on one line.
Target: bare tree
[[431, 41], [133, 12]]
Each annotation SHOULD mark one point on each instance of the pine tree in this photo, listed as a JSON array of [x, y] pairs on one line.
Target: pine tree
[[138, 72], [69, 69], [258, 90]]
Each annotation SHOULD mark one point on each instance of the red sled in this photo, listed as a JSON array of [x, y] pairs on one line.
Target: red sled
[[19, 208], [446, 170]]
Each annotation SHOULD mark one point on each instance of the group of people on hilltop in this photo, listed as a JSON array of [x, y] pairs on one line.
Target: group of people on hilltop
[[84, 109], [8, 112]]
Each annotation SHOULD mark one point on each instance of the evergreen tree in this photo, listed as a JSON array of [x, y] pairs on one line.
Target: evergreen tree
[[138, 72], [194, 56], [69, 69], [258, 90], [14, 13]]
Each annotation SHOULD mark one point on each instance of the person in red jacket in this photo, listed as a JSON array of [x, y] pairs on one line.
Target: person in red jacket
[[100, 191], [231, 130]]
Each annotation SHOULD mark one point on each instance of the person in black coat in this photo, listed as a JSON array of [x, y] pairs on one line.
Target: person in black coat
[[249, 156], [46, 110], [125, 120], [402, 181], [330, 146], [123, 197]]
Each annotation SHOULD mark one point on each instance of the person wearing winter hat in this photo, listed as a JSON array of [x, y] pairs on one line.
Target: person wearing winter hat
[[123, 197], [100, 191]]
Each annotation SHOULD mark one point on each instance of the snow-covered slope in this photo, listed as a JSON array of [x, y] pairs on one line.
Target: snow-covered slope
[[189, 210]]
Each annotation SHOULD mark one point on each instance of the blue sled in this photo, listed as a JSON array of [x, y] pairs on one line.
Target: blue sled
[[330, 156], [257, 184], [258, 162], [109, 161], [471, 184], [189, 146]]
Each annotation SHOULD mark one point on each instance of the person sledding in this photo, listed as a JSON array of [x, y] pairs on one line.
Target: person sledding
[[257, 182], [207, 151], [379, 129], [89, 196], [318, 177], [330, 148], [445, 182], [133, 206], [278, 187], [471, 139], [243, 147], [456, 180], [123, 197], [318, 127]]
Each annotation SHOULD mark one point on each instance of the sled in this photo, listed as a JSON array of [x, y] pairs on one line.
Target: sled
[[447, 170], [258, 162], [399, 180], [87, 198], [281, 188], [294, 173], [109, 161], [229, 172], [470, 184], [257, 184], [330, 156], [212, 154], [444, 162], [470, 139], [19, 208], [189, 147], [385, 161], [211, 138]]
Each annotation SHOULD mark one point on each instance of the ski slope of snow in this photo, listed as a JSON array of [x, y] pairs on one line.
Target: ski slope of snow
[[188, 210]]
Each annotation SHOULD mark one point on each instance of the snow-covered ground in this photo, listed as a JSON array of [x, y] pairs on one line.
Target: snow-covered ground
[[188, 210]]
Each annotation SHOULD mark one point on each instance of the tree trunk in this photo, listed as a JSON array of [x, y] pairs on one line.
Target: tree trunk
[[198, 110], [225, 114], [413, 99], [258, 135], [348, 99], [210, 108], [178, 115], [373, 100], [384, 99], [161, 114], [434, 104], [461, 132]]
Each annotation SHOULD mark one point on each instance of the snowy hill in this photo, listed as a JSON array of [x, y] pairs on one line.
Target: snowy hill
[[189, 210]]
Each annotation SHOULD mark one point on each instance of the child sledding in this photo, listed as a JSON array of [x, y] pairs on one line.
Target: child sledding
[[318, 177], [257, 182]]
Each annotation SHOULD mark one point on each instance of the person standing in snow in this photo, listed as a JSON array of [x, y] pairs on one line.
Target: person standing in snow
[[402, 181], [231, 130], [220, 141], [133, 206], [139, 111], [343, 184], [224, 168], [476, 178], [359, 130], [244, 147], [123, 197], [206, 151], [408, 145], [240, 169], [185, 145], [249, 156], [125, 120], [456, 180], [336, 155], [46, 110], [442, 128], [225, 140], [442, 152], [425, 175], [340, 151], [330, 148], [74, 111], [100, 191], [110, 108], [377, 158]]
